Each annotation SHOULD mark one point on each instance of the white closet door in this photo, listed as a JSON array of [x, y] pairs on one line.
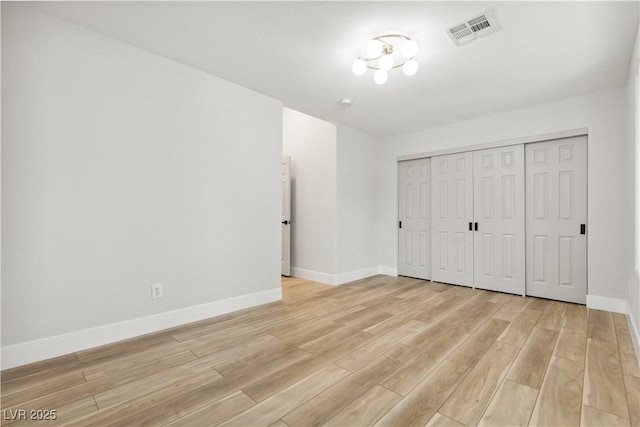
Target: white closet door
[[451, 213], [414, 245], [285, 227], [556, 181], [499, 217]]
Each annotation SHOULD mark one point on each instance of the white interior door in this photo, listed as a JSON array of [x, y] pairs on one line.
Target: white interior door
[[451, 213], [414, 245], [556, 189], [285, 258], [499, 238]]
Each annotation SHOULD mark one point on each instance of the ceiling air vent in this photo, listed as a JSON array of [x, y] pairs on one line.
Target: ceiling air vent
[[473, 29]]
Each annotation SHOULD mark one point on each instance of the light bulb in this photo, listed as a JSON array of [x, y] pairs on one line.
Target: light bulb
[[374, 48], [410, 67], [380, 77], [386, 62], [409, 49], [359, 67]]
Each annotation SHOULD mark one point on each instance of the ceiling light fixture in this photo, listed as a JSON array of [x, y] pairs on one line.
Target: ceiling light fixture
[[382, 56]]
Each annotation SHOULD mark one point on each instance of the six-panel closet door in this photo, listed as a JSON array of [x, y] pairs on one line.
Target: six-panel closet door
[[499, 219], [451, 212], [414, 212], [556, 189], [510, 219]]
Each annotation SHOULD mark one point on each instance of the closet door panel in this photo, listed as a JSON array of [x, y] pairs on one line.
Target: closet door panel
[[414, 245], [499, 242], [556, 181], [451, 213]]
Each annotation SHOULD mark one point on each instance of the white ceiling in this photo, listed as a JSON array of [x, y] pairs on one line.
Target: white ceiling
[[301, 52]]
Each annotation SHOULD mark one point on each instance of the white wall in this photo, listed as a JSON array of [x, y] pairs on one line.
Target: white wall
[[357, 188], [311, 143], [120, 169], [633, 207], [604, 114], [334, 174]]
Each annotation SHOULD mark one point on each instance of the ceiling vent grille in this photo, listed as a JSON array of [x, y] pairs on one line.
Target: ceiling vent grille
[[473, 28]]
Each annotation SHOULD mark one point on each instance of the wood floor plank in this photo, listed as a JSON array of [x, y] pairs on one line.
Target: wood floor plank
[[262, 388], [500, 298], [281, 352], [439, 420], [367, 409], [519, 399], [234, 350], [132, 411], [472, 317], [41, 370], [132, 360], [364, 322], [519, 330], [576, 317], [413, 371], [552, 316], [216, 412], [327, 404], [474, 347], [632, 387], [572, 344], [560, 398], [143, 385], [129, 346], [601, 326], [374, 348], [304, 331], [593, 417], [469, 401], [280, 404], [603, 382], [511, 308], [531, 364], [625, 344], [167, 405], [337, 310], [27, 392], [65, 414], [336, 338], [436, 309], [72, 394], [536, 304], [425, 399], [216, 331], [392, 323]]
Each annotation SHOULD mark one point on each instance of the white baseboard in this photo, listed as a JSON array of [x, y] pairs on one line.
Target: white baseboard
[[316, 276], [46, 348], [617, 305], [635, 332], [340, 279], [357, 275]]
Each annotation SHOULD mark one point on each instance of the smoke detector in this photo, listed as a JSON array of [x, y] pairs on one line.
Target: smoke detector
[[473, 28], [345, 102]]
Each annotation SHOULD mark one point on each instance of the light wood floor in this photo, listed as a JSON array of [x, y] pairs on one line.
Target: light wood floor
[[383, 351]]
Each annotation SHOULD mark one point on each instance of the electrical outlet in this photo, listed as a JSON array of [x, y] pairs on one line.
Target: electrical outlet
[[156, 291]]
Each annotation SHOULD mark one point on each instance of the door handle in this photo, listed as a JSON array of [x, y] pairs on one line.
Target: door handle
[[476, 226], [286, 222], [470, 226], [583, 228]]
